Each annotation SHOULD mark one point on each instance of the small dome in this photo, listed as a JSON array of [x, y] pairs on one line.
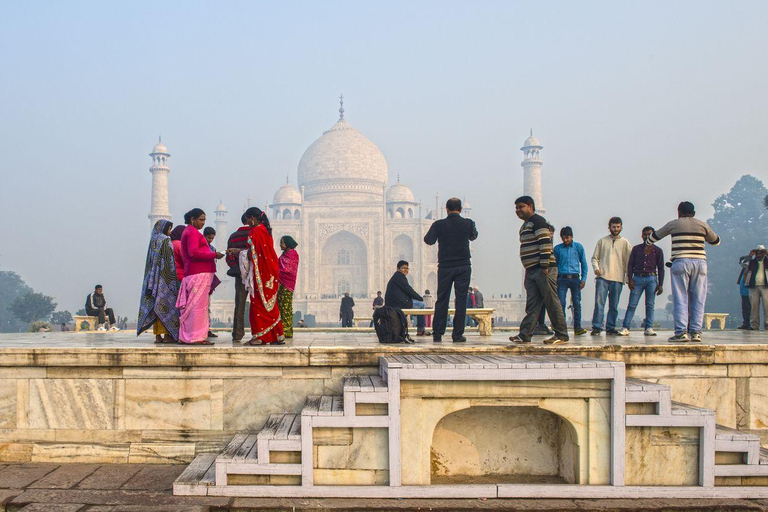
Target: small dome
[[399, 193], [221, 207], [465, 205], [531, 142], [160, 148], [287, 194]]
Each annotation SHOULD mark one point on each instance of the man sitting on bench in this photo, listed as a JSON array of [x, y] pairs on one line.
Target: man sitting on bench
[[96, 305], [401, 295]]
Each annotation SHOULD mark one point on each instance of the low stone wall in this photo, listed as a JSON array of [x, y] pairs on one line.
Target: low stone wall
[[165, 405]]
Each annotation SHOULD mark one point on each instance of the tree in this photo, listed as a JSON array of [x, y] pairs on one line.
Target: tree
[[12, 286], [741, 220], [32, 306], [61, 317]]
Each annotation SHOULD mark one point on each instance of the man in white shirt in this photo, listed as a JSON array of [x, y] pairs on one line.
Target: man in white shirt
[[609, 261]]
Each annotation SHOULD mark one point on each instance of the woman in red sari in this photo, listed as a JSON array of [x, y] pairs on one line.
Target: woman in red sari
[[264, 313]]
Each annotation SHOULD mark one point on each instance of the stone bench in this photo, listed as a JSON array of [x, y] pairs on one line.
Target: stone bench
[[709, 317], [484, 317], [91, 320]]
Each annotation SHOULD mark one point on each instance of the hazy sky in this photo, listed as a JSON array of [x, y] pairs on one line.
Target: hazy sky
[[638, 105]]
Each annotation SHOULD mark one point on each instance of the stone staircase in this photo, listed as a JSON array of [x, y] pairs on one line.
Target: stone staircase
[[278, 460]]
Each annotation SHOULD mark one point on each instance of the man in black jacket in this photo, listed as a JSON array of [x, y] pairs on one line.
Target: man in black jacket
[[346, 313], [401, 295], [96, 305], [454, 269]]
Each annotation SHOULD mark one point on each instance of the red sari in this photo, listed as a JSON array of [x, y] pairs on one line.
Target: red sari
[[264, 314]]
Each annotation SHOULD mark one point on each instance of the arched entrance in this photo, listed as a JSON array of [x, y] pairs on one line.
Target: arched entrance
[[344, 265], [503, 444]]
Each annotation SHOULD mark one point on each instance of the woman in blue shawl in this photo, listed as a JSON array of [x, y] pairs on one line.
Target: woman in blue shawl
[[161, 287]]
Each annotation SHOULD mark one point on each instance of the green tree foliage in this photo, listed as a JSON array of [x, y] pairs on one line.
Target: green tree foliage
[[32, 306], [741, 220], [12, 286], [61, 317]]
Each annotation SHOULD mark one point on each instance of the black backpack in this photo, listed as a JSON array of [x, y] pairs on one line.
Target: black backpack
[[391, 325]]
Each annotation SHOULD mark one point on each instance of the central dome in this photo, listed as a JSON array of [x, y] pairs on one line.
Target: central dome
[[343, 165]]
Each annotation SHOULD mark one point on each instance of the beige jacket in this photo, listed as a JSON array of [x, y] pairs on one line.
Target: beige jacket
[[611, 257]]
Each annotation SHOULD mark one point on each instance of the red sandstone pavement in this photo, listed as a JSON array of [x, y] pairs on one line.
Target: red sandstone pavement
[[147, 488]]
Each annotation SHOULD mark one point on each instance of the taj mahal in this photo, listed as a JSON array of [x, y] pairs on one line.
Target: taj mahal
[[351, 225]]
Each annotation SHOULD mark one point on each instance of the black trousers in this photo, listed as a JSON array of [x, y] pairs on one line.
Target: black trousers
[[347, 319], [458, 278], [746, 310], [102, 314], [238, 319], [541, 292]]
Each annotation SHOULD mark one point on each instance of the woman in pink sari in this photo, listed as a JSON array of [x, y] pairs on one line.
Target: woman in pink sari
[[195, 289], [264, 313]]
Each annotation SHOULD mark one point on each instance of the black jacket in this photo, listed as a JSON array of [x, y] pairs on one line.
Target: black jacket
[[399, 293], [750, 268], [453, 235], [347, 303]]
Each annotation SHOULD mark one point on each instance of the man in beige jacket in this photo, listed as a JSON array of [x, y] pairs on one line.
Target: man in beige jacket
[[609, 261]]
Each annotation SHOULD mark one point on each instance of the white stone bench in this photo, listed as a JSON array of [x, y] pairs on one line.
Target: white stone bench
[[91, 320], [484, 317]]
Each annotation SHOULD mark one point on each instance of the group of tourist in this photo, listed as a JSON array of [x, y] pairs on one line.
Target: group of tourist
[[180, 276], [753, 288], [550, 273]]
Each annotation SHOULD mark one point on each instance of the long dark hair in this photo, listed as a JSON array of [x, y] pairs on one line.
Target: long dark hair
[[259, 215]]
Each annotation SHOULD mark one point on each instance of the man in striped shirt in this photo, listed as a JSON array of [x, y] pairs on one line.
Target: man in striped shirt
[[689, 269], [540, 274]]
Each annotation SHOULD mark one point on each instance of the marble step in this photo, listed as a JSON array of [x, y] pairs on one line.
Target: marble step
[[198, 476], [732, 440], [365, 384], [325, 405], [681, 409], [282, 426], [246, 454], [680, 415]]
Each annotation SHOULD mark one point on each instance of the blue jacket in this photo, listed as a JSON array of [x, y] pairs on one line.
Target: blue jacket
[[571, 259]]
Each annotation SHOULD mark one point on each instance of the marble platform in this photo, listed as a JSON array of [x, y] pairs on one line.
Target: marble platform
[[113, 397]]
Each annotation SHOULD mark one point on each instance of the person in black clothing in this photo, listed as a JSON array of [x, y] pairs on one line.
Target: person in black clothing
[[454, 268], [377, 303], [346, 314], [96, 305], [401, 295], [238, 240]]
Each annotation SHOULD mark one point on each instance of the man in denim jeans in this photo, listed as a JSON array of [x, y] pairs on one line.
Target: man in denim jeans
[[646, 276], [572, 272], [609, 261], [689, 269]]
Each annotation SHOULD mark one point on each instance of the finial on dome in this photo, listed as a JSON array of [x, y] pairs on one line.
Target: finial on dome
[[286, 179], [341, 107], [398, 177], [531, 132]]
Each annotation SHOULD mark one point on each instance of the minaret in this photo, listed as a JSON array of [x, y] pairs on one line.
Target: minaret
[[532, 166], [159, 209], [221, 227]]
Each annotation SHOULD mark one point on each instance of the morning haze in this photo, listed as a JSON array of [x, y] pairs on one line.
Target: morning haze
[[638, 106]]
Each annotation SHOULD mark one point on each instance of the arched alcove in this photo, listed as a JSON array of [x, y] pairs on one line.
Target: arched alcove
[[344, 256], [287, 215], [402, 248], [505, 444], [296, 214], [432, 284]]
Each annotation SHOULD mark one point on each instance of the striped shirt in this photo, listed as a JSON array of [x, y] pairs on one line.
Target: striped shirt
[[688, 237], [536, 243]]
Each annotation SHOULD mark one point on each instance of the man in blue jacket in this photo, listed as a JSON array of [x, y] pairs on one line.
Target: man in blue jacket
[[571, 275]]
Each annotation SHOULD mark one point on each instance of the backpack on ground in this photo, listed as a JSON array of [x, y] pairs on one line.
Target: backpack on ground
[[391, 325]]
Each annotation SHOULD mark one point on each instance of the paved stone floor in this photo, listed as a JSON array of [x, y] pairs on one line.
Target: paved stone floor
[[363, 338], [147, 488]]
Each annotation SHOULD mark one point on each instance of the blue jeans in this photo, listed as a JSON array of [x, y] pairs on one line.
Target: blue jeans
[[648, 286], [421, 320], [574, 285], [610, 290], [689, 293]]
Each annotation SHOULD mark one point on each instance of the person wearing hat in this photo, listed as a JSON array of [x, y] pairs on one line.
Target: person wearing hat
[[756, 280]]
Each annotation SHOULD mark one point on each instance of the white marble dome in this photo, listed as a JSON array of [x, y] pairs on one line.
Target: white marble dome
[[287, 194], [531, 141], [344, 161], [399, 193], [160, 148], [221, 207]]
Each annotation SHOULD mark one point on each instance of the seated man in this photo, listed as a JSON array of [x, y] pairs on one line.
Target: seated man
[[401, 295], [96, 305]]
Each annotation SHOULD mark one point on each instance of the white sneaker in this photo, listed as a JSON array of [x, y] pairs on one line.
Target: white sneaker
[[114, 328], [623, 331], [101, 328], [650, 332]]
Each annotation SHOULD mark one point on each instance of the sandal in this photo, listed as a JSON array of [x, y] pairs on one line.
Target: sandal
[[253, 342], [204, 342]]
